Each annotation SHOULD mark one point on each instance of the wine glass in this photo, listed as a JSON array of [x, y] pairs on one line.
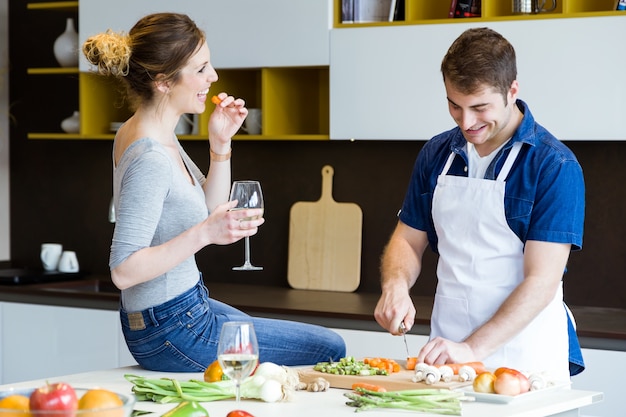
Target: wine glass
[[248, 195], [238, 351]]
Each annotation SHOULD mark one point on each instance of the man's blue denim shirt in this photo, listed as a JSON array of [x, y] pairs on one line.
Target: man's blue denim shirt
[[544, 194]]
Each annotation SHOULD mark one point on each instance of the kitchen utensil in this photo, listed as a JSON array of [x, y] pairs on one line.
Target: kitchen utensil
[[403, 331], [532, 6], [325, 242]]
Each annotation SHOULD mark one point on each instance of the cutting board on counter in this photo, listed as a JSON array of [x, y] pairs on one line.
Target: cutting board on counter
[[394, 382], [325, 242]]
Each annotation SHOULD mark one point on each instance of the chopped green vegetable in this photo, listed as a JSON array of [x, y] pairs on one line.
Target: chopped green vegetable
[[348, 366], [433, 401]]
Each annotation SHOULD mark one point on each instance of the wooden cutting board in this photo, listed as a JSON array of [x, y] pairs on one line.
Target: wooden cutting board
[[325, 242], [394, 382]]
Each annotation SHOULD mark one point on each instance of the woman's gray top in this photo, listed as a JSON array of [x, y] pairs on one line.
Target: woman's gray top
[[154, 202]]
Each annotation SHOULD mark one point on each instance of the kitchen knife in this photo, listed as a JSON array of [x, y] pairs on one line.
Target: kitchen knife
[[403, 331]]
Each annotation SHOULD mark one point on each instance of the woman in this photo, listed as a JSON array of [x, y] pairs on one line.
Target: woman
[[167, 210]]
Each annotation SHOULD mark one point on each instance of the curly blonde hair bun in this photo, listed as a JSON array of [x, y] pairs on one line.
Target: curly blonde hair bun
[[109, 52]]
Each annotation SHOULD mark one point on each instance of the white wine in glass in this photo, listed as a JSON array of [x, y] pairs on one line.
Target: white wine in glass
[[238, 352], [248, 195]]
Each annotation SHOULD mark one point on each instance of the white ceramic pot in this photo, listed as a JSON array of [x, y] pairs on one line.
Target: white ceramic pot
[[72, 123], [66, 46]]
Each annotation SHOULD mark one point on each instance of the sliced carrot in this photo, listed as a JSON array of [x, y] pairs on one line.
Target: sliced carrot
[[387, 364], [411, 363], [216, 100], [374, 362], [368, 387]]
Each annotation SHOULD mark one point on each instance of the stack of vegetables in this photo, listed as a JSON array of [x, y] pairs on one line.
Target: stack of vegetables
[[270, 383]]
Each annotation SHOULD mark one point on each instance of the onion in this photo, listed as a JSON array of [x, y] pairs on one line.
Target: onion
[[271, 391], [484, 382], [507, 383]]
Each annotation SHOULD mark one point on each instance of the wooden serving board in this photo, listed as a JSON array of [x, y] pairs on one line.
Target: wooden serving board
[[325, 242], [394, 382]]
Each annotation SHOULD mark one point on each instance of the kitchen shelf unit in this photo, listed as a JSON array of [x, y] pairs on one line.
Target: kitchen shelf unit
[[54, 80], [430, 12], [294, 99]]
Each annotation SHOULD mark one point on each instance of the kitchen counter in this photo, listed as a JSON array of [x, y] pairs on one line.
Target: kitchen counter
[[599, 328], [565, 402]]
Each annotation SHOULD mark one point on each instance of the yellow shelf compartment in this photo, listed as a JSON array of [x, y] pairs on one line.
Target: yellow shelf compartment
[[495, 9], [586, 6], [295, 102], [102, 100], [53, 5], [418, 10], [239, 83]]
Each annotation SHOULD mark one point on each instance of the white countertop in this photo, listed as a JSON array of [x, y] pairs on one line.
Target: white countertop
[[565, 402]]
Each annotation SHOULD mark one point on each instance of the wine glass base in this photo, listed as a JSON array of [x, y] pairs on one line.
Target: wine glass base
[[247, 268]]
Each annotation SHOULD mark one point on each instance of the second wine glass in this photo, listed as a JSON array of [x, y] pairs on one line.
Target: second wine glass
[[248, 195], [238, 351]]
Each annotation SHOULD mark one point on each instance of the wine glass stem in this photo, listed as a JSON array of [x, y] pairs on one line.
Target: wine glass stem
[[247, 250], [237, 391]]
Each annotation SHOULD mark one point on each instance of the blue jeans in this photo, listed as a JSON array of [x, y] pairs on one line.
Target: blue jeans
[[182, 334]]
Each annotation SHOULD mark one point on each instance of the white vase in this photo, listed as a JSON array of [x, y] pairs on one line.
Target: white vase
[[71, 124], [66, 46]]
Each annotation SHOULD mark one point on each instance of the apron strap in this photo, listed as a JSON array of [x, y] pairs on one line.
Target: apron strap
[[448, 164], [506, 168]]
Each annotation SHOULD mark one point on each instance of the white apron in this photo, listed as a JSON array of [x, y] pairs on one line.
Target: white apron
[[481, 262]]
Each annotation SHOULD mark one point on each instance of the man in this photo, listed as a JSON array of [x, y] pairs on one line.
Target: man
[[501, 201]]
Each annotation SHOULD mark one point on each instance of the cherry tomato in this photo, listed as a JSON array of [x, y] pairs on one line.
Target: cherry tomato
[[213, 372], [239, 413]]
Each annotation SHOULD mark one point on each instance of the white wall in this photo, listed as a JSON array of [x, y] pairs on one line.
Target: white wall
[[4, 130]]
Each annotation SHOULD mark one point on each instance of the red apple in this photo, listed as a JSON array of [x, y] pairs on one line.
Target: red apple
[[58, 397]]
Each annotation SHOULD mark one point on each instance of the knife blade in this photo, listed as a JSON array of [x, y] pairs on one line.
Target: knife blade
[[403, 331]]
